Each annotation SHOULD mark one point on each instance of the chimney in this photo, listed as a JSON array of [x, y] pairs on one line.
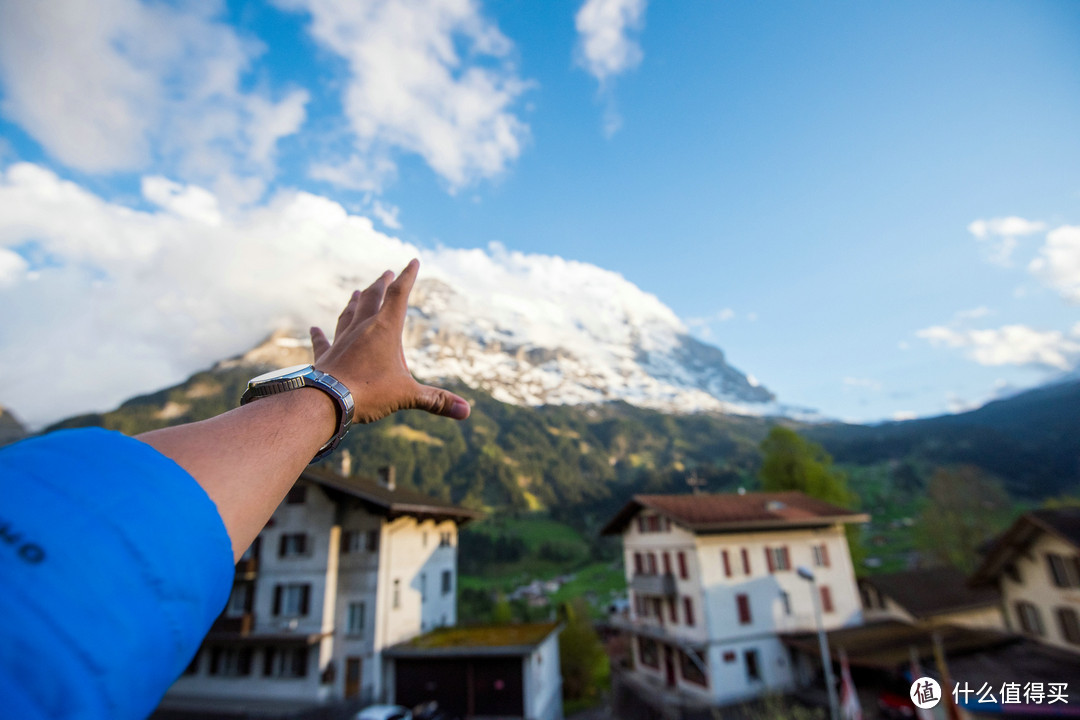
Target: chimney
[[346, 463], [386, 477]]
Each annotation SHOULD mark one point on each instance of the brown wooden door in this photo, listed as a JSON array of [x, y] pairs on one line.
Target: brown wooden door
[[353, 676]]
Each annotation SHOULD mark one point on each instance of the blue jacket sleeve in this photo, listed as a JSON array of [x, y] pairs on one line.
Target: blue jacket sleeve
[[113, 564]]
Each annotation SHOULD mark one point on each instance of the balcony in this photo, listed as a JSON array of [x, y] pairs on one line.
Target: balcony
[[658, 585]]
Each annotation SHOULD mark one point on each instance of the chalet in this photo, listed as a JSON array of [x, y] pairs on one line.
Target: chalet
[[713, 587], [345, 568], [1035, 565]]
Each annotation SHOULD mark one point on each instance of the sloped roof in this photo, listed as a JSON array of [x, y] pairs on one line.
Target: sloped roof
[[730, 512], [1062, 522], [514, 639], [932, 591], [393, 503]]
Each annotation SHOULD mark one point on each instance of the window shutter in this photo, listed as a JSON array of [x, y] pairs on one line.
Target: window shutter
[[743, 602], [745, 561], [769, 560], [787, 558], [672, 612], [304, 597], [683, 573], [688, 608], [281, 546], [727, 563], [667, 563], [639, 566], [826, 599], [277, 600], [824, 554]]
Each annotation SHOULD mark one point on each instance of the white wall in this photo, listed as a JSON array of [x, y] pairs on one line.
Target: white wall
[[543, 681], [1037, 587]]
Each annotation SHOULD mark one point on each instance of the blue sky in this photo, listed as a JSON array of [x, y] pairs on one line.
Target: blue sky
[[871, 207]]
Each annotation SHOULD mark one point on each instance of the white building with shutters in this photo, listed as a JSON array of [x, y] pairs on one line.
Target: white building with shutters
[[713, 588], [345, 567]]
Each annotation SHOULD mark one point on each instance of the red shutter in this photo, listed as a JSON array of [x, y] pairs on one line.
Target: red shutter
[[824, 554], [651, 557], [667, 563], [688, 608], [672, 612], [277, 599], [745, 561], [727, 563], [769, 560], [744, 609], [682, 566], [639, 567], [787, 558], [826, 599]]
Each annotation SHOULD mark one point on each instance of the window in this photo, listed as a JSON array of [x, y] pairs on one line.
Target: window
[[1059, 571], [682, 565], [688, 610], [397, 593], [753, 672], [742, 601], [230, 661], [352, 541], [821, 555], [1069, 624], [373, 541], [297, 495], [649, 652], [423, 588], [690, 670], [650, 563], [354, 622], [777, 558], [447, 582], [673, 613], [285, 662], [445, 539], [291, 600], [785, 602], [727, 563], [292, 545], [639, 564], [239, 600], [641, 524], [667, 563], [826, 599], [1030, 620], [745, 561]]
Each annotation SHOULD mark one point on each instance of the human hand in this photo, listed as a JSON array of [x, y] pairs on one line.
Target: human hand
[[368, 357]]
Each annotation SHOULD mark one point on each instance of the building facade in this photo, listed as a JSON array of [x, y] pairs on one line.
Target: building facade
[[1036, 566], [344, 568], [714, 586]]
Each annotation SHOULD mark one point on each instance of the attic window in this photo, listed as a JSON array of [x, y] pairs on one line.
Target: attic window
[[775, 505]]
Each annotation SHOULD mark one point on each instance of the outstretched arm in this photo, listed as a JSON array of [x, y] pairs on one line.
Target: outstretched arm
[[248, 458]]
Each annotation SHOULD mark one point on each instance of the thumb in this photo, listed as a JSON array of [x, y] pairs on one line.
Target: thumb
[[319, 343], [442, 402]]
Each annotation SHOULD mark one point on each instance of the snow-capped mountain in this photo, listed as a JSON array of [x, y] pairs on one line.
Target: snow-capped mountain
[[565, 333]]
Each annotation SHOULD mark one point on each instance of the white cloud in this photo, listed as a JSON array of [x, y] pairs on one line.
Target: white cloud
[[138, 300], [1058, 263], [431, 77], [118, 85], [605, 45], [386, 214], [972, 314], [1000, 236], [901, 415], [1009, 345]]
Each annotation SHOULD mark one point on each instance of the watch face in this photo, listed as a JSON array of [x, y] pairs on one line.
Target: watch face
[[282, 374]]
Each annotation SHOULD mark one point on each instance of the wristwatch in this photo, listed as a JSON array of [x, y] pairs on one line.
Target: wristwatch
[[300, 376]]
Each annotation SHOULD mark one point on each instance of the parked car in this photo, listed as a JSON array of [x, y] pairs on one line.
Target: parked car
[[384, 712]]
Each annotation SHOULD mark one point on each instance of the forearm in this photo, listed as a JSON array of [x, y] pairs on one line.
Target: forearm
[[247, 459]]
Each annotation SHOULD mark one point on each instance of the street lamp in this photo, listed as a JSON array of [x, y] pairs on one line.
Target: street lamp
[[826, 659]]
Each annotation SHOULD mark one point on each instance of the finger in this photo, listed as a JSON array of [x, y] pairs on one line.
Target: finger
[[347, 314], [397, 295], [442, 402], [319, 343], [372, 298]]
